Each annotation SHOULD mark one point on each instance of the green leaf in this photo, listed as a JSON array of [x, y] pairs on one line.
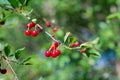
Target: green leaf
[[25, 60], [14, 3], [7, 50], [18, 53], [28, 10], [86, 45], [114, 15], [84, 54], [27, 64], [66, 36], [95, 41], [72, 40], [22, 1], [88, 54], [41, 78], [96, 54], [27, 2]]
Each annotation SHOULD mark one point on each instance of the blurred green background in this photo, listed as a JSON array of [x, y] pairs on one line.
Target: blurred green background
[[86, 20]]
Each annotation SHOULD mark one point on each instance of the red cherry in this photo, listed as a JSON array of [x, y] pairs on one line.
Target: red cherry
[[31, 24], [56, 44], [58, 52], [55, 29], [3, 71], [2, 22], [27, 32], [77, 43], [53, 47], [34, 33], [54, 55], [47, 53], [82, 51], [72, 45], [48, 23]]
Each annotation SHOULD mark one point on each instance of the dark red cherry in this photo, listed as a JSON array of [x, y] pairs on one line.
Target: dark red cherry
[[27, 32], [47, 53], [54, 55], [58, 52], [34, 33], [3, 71], [31, 24]]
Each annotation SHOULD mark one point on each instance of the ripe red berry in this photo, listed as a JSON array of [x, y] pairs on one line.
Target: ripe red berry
[[48, 23], [72, 45], [82, 51], [77, 43], [2, 22], [54, 55], [31, 24], [34, 33], [56, 44], [47, 53], [27, 32], [55, 29], [58, 52], [3, 71], [53, 47]]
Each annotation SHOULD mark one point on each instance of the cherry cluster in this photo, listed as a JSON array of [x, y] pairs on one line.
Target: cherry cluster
[[37, 28], [53, 50], [3, 71], [35, 32]]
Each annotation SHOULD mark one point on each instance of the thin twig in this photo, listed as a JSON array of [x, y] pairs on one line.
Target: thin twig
[[8, 63], [51, 36], [61, 43]]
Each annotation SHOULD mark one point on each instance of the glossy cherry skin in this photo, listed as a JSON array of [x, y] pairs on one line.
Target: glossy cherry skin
[[54, 55], [56, 44], [34, 33], [47, 53], [31, 24], [27, 32], [53, 47], [3, 71], [58, 52]]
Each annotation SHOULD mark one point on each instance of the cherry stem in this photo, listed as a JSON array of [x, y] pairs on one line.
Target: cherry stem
[[8, 63]]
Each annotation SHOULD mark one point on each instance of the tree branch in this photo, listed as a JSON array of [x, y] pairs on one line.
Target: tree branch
[[51, 36], [8, 63]]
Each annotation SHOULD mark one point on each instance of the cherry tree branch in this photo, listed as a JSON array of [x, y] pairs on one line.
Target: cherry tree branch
[[52, 37], [8, 63]]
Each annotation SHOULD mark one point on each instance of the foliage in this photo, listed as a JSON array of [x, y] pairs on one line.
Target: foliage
[[86, 20]]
